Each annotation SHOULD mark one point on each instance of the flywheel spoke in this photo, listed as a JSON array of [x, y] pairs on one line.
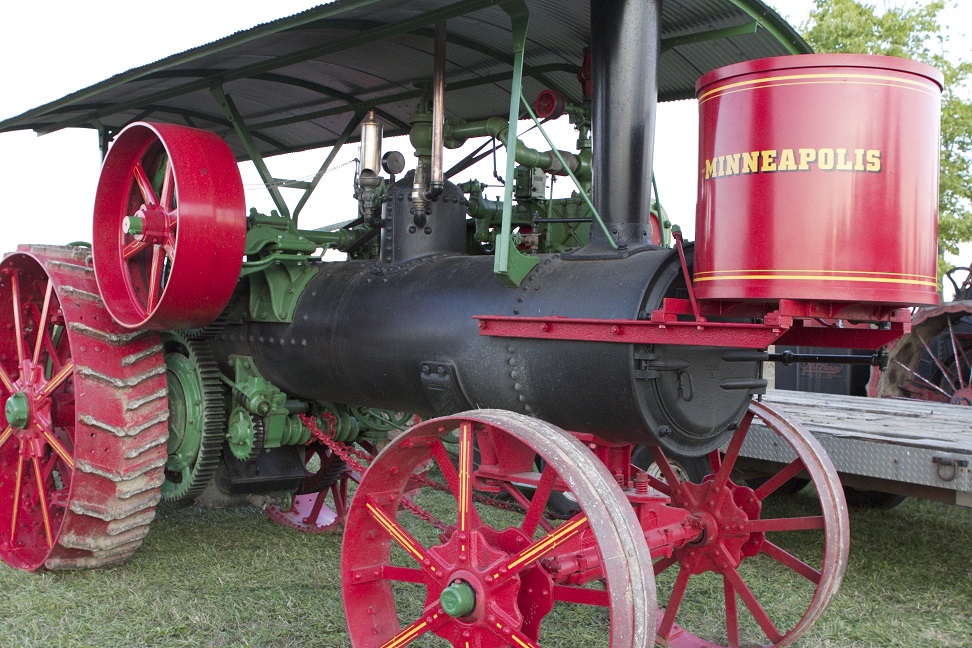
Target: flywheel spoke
[[133, 247], [144, 185], [155, 278], [167, 196], [6, 381], [5, 436]]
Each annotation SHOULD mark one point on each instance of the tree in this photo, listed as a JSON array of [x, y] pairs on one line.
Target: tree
[[852, 26]]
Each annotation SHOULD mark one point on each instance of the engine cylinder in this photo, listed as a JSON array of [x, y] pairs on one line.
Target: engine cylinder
[[403, 338], [819, 180]]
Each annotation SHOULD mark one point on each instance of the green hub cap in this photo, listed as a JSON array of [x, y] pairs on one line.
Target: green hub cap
[[459, 599], [18, 410], [133, 225]]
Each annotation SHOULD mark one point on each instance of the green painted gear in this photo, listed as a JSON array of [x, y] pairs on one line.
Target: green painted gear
[[197, 416], [245, 434]]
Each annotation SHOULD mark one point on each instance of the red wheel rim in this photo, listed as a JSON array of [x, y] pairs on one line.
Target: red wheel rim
[[79, 473], [169, 227], [737, 531], [509, 570]]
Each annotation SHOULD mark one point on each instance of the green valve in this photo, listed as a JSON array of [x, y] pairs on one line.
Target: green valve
[[18, 410], [459, 599]]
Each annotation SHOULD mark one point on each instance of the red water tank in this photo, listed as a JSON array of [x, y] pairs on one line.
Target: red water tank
[[818, 180]]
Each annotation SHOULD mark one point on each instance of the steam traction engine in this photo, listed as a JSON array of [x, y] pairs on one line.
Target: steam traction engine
[[203, 352]]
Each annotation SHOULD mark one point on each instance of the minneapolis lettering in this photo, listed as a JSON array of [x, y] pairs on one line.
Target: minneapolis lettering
[[801, 159]]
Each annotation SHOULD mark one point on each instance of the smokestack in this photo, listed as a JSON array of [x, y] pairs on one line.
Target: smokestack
[[625, 45]]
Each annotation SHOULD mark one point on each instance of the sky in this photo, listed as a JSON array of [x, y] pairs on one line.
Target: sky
[[47, 184]]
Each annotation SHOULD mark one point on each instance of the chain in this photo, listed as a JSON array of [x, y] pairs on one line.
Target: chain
[[350, 455]]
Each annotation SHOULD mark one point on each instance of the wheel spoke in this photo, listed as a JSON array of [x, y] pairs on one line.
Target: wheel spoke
[[664, 563], [42, 324], [790, 561], [133, 248], [521, 499], [542, 547], [923, 379], [675, 490], [732, 452], [768, 487], [807, 523], [56, 381], [417, 628], [466, 509], [732, 614], [955, 354], [403, 538], [5, 436], [762, 618], [18, 325], [534, 512], [5, 379], [938, 363], [16, 498], [42, 497], [582, 595], [403, 574], [144, 186], [674, 601], [57, 447], [441, 456]]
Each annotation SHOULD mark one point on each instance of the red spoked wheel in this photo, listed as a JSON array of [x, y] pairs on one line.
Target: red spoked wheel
[[83, 442], [169, 227], [744, 544], [463, 575]]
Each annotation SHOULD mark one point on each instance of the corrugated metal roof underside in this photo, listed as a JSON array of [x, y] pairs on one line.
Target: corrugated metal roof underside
[[297, 81]]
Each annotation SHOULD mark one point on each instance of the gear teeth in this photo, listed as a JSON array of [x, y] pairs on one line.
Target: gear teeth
[[213, 416], [119, 439]]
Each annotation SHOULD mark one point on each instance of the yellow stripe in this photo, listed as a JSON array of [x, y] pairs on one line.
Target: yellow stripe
[[465, 445], [519, 642], [830, 76], [383, 520], [833, 272], [406, 637], [558, 537], [798, 83], [819, 278]]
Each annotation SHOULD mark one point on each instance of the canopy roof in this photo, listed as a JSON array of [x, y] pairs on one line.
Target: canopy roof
[[297, 82]]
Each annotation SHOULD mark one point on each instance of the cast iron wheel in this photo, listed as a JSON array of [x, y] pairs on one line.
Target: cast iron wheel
[[83, 444], [486, 586], [934, 361], [169, 227], [197, 417], [736, 531]]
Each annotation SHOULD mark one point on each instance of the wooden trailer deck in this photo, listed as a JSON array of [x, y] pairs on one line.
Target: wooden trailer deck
[[907, 447]]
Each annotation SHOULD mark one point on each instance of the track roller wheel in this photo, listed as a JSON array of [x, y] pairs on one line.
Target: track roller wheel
[[169, 227], [83, 444], [489, 584], [739, 535]]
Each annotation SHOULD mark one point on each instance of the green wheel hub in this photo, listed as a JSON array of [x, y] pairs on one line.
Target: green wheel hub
[[18, 410], [197, 418], [459, 599]]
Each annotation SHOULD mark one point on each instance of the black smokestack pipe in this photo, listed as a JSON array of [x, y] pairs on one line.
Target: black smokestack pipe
[[625, 45]]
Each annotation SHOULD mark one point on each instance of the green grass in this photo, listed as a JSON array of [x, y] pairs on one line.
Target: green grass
[[233, 578]]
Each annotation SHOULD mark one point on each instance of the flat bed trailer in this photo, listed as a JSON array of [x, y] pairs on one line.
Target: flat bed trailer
[[906, 447]]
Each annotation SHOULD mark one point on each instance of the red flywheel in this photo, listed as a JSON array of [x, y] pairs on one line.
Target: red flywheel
[[169, 227]]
